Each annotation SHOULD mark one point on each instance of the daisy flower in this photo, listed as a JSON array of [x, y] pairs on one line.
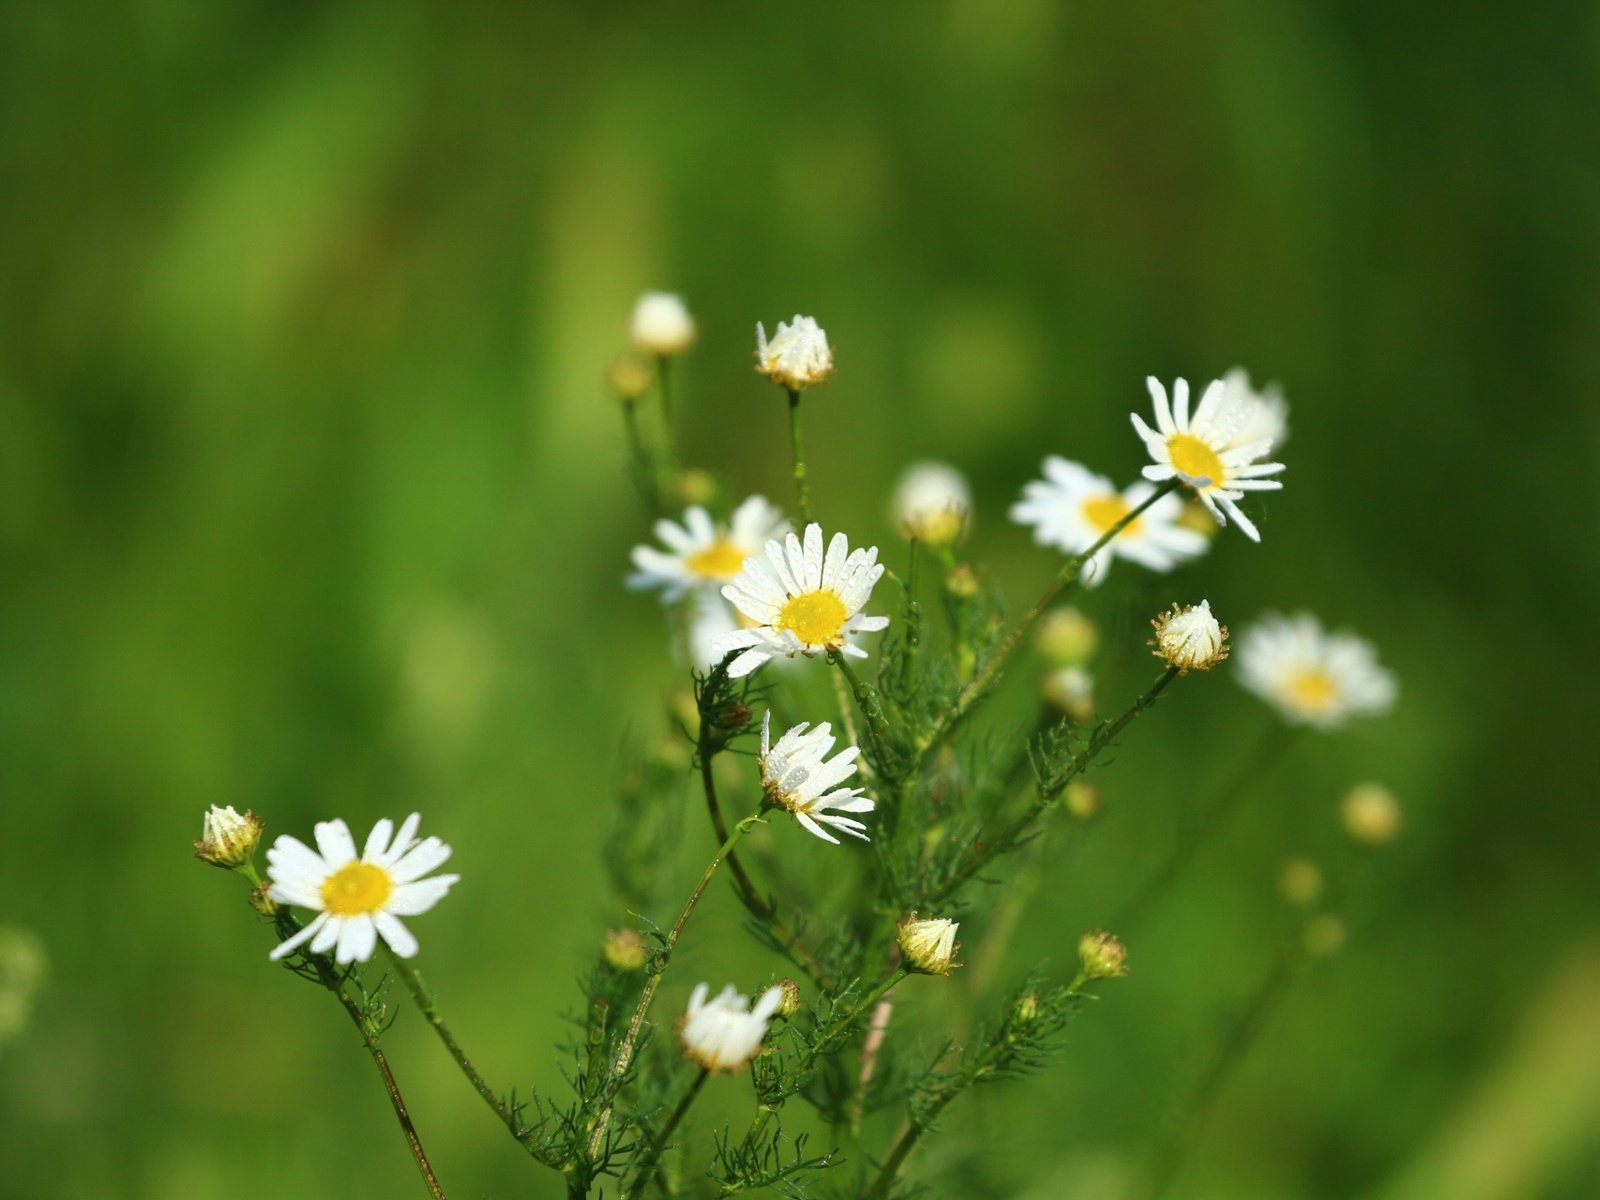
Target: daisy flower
[[797, 357], [801, 602], [1071, 508], [1204, 452], [795, 777], [725, 1033], [1312, 677], [357, 898], [702, 552]]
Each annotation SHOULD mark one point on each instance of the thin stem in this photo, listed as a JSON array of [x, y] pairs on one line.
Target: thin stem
[[663, 377], [801, 487], [630, 1040], [871, 1046], [646, 476], [744, 885], [428, 1005], [1102, 738], [330, 979], [658, 1144], [1197, 825], [1067, 576]]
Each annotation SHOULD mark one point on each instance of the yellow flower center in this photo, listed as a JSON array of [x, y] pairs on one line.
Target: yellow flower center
[[721, 560], [816, 618], [356, 888], [1192, 457], [1105, 511], [1312, 690]]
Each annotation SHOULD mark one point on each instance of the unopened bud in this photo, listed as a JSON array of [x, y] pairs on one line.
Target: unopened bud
[[1066, 637], [1027, 1008], [1070, 691], [661, 324], [1100, 956], [624, 949], [228, 838], [962, 582], [929, 947], [697, 487], [931, 503], [789, 1004], [1189, 638], [1371, 814], [1081, 799], [262, 902], [1300, 881], [629, 379], [1325, 936]]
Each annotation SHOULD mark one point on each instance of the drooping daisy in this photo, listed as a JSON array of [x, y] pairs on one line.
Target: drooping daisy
[[726, 1033], [1266, 412], [801, 602], [932, 503], [1071, 508], [1204, 451], [795, 777], [1310, 676], [797, 357], [702, 553], [357, 898]]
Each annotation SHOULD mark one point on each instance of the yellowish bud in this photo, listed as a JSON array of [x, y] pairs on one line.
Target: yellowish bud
[[228, 838], [932, 503], [789, 1004], [697, 487], [1300, 881], [1325, 936], [962, 582], [928, 947], [629, 378], [624, 949], [1066, 637], [1081, 799], [1070, 691], [1100, 956], [1371, 814], [262, 901]]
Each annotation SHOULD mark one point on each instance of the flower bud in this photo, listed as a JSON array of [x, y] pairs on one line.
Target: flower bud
[[1189, 639], [1325, 936], [1100, 956], [1070, 691], [228, 838], [1081, 799], [262, 901], [1300, 881], [1371, 814], [789, 1004], [624, 949], [697, 487], [928, 947], [962, 582], [797, 357], [629, 379], [931, 504], [661, 324], [1027, 1008], [1066, 637]]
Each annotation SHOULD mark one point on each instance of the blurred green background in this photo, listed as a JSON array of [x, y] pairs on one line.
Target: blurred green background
[[311, 501]]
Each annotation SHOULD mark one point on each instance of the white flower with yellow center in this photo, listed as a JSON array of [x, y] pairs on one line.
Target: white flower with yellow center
[[1266, 412], [802, 602], [795, 778], [1312, 677], [1071, 508], [932, 503], [1204, 451], [661, 324], [725, 1033], [358, 898], [702, 553], [797, 357]]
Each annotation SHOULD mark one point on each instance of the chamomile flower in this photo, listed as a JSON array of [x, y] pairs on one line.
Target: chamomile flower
[[928, 947], [1310, 676], [661, 324], [1071, 508], [800, 601], [797, 357], [702, 553], [1204, 451], [1266, 411], [358, 898], [795, 777], [725, 1033]]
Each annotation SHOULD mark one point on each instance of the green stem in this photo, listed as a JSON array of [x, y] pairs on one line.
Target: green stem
[[630, 1040], [801, 487], [1067, 576], [658, 1144], [646, 476], [663, 377], [428, 1004], [1102, 738]]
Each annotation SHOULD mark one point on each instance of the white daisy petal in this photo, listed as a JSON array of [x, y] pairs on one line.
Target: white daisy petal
[[296, 940], [357, 940], [334, 841], [400, 939], [425, 856]]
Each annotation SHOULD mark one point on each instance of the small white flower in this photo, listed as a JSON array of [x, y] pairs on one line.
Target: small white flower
[[661, 324], [796, 778], [1312, 677], [802, 602], [726, 1033], [929, 946], [358, 898], [228, 837], [1205, 452], [702, 553], [797, 357], [1189, 638], [932, 503], [1071, 508], [1266, 412]]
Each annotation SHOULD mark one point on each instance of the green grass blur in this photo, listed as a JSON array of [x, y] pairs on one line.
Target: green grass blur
[[311, 501]]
